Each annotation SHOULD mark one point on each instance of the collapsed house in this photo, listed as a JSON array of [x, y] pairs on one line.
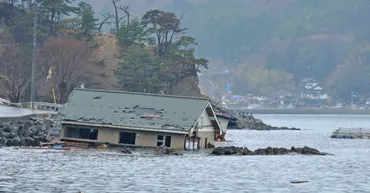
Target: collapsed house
[[226, 119], [139, 119]]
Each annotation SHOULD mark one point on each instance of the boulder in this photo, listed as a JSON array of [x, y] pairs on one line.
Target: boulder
[[13, 142], [232, 150], [29, 141], [307, 151], [35, 130], [12, 135], [163, 150], [36, 141], [25, 132], [3, 141], [22, 142], [7, 128], [27, 125]]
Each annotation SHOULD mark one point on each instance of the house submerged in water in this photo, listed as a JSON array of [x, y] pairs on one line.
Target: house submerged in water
[[139, 119]]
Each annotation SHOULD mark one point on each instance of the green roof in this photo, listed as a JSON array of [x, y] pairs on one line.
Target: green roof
[[136, 110]]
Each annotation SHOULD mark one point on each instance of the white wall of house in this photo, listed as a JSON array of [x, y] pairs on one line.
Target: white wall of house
[[207, 131], [205, 119], [223, 123]]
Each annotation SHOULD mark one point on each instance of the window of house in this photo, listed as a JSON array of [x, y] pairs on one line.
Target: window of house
[[160, 140], [168, 141], [127, 138], [82, 133]]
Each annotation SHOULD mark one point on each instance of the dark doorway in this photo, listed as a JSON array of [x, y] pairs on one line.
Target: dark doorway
[[127, 138], [168, 141], [205, 143]]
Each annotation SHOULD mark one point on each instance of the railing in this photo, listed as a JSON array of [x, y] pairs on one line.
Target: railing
[[41, 106]]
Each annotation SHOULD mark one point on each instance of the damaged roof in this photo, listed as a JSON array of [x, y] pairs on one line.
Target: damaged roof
[[136, 110]]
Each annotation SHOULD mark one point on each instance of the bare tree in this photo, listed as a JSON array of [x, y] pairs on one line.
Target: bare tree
[[106, 17], [15, 72], [117, 16], [68, 59], [127, 14]]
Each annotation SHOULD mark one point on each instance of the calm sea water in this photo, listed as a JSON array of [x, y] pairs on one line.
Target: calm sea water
[[347, 171]]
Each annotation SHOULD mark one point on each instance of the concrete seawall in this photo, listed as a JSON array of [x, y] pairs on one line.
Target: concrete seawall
[[20, 114], [305, 111]]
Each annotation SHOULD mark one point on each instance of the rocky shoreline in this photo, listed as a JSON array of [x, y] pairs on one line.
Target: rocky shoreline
[[24, 133], [232, 150], [246, 121]]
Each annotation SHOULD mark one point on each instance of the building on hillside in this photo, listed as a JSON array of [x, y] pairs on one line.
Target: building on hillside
[[311, 89], [138, 119]]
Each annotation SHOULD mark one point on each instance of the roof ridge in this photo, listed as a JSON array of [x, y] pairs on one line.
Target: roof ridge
[[140, 93]]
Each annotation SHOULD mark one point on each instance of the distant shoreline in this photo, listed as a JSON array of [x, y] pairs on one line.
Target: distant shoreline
[[305, 111]]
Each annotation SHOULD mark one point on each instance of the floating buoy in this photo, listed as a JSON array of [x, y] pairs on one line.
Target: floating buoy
[[298, 182]]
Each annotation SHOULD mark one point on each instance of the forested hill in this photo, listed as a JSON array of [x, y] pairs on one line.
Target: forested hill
[[149, 53], [276, 43], [269, 45]]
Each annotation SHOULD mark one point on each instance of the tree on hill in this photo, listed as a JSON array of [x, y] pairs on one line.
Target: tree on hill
[[139, 70], [15, 72], [88, 23], [163, 26], [68, 60], [134, 32], [171, 60]]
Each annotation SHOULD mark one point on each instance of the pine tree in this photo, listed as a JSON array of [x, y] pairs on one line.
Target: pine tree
[[88, 23]]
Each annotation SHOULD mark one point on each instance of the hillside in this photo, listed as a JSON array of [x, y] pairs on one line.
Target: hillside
[[267, 45], [137, 56], [294, 38]]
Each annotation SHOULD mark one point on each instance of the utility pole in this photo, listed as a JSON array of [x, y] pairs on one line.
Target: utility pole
[[33, 58]]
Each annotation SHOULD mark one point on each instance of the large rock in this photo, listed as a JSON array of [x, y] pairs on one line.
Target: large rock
[[163, 150], [3, 141], [232, 150], [246, 121], [12, 135], [13, 142], [29, 141]]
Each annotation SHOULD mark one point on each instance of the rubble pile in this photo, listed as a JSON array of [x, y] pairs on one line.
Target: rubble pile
[[232, 150], [163, 150], [125, 150], [24, 133]]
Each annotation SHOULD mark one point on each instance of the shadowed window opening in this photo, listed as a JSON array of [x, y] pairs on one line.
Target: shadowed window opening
[[127, 138], [160, 140], [82, 133]]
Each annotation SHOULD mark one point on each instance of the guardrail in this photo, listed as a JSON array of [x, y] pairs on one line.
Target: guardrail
[[41, 106]]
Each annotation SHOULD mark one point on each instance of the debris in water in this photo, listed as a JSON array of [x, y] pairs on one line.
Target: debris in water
[[298, 182]]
